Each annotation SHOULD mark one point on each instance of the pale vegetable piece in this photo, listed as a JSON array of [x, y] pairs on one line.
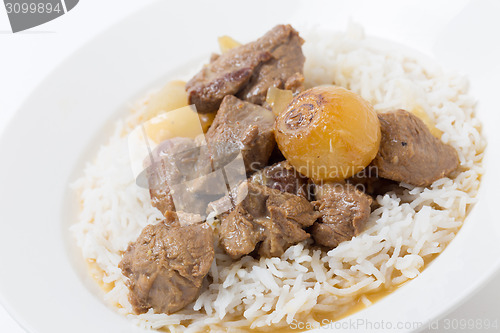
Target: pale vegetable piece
[[172, 96], [419, 112], [278, 99], [328, 133], [226, 43], [183, 122], [206, 120], [145, 138]]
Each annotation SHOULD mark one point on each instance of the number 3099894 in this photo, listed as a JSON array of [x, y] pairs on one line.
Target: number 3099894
[[32, 8]]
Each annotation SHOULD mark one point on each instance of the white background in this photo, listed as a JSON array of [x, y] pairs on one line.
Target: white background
[[27, 57]]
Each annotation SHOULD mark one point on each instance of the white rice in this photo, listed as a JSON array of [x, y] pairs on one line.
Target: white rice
[[402, 236]]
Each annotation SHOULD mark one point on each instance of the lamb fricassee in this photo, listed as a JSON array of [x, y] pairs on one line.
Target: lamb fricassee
[[305, 164]]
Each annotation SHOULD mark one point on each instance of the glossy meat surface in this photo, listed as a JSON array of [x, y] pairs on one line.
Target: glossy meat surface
[[344, 212], [241, 126], [166, 266], [410, 153], [268, 221], [249, 70]]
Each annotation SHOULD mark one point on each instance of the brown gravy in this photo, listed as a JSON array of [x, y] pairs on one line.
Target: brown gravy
[[321, 317], [97, 274], [327, 318]]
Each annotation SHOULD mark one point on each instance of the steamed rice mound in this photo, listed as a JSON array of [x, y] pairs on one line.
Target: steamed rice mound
[[403, 234]]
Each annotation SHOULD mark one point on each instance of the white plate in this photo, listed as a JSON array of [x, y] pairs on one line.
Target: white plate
[[43, 282]]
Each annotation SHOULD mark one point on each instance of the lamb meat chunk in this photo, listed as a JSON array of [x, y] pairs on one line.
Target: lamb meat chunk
[[181, 165], [240, 233], [368, 182], [224, 75], [166, 265], [283, 176], [276, 156], [344, 212], [266, 220], [283, 70], [410, 153], [163, 171], [243, 126], [295, 83], [249, 70]]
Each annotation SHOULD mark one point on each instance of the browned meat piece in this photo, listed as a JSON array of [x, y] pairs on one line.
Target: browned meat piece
[[180, 164], [295, 83], [283, 176], [164, 171], [367, 181], [410, 153], [182, 167], [243, 126], [283, 70], [344, 213], [276, 156], [166, 266], [267, 220], [249, 70]]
